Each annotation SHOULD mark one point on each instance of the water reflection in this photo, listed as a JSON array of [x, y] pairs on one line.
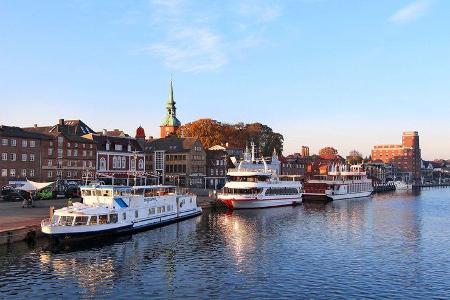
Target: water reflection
[[392, 245]]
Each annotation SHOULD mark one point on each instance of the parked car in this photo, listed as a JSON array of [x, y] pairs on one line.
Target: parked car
[[10, 194]]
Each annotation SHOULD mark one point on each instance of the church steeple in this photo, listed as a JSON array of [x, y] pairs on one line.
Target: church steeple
[[170, 124]]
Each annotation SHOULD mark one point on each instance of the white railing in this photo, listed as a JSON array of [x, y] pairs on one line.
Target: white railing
[[46, 222], [248, 170]]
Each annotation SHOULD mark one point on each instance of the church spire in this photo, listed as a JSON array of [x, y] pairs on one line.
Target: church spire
[[170, 123]]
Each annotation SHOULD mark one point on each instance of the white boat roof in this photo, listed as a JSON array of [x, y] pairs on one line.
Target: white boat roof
[[152, 186]]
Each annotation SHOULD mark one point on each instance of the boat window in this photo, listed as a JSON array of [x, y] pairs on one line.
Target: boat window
[[151, 211], [55, 219], [107, 193], [136, 214], [81, 220], [124, 216], [172, 190], [169, 207], [163, 209], [113, 218], [158, 210], [86, 192], [139, 192], [98, 192], [66, 220], [150, 193], [93, 220], [103, 219]]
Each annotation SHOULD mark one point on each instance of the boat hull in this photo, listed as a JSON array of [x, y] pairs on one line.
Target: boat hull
[[126, 229], [329, 198], [234, 203]]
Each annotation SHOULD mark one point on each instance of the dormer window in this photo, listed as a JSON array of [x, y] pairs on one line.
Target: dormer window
[[118, 147], [129, 147], [108, 145]]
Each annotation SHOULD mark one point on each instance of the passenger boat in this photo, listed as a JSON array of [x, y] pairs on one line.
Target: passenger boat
[[341, 182], [120, 209], [256, 184], [401, 185]]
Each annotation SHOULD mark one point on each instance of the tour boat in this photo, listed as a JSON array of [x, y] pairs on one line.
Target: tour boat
[[120, 209], [256, 184], [401, 185], [341, 182]]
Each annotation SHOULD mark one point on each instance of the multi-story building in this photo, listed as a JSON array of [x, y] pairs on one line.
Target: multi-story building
[[67, 155], [379, 171], [216, 168], [174, 160], [20, 152], [120, 159], [293, 165], [405, 157]]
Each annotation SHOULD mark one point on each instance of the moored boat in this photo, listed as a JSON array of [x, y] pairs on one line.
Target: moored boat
[[341, 182], [256, 184], [108, 210]]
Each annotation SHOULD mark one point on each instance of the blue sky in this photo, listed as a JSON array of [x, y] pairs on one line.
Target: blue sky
[[349, 74]]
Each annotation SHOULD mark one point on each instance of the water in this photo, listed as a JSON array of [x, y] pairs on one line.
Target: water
[[393, 245]]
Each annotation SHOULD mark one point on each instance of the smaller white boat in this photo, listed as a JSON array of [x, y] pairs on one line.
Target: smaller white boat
[[402, 186], [110, 210]]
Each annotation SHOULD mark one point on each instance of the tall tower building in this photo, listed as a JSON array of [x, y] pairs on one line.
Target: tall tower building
[[170, 124]]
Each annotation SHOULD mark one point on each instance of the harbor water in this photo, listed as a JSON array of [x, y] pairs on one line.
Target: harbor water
[[394, 245]]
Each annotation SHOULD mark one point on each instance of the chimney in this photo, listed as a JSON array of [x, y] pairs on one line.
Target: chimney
[[35, 125], [61, 122], [105, 132]]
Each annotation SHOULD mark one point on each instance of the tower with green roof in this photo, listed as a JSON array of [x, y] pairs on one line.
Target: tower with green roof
[[170, 124]]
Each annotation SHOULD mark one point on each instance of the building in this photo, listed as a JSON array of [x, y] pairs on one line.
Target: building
[[379, 171], [216, 167], [405, 157], [20, 154], [170, 124], [67, 155], [120, 159], [305, 151], [175, 160], [293, 165]]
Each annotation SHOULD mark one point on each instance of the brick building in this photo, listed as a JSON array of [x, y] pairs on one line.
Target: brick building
[[120, 159], [405, 157], [66, 155], [293, 165], [20, 154], [216, 168], [178, 161]]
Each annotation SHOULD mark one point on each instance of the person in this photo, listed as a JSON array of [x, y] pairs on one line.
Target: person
[[69, 202]]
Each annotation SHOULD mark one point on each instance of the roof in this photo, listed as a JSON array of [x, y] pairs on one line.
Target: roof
[[102, 140], [13, 131], [70, 129], [170, 144]]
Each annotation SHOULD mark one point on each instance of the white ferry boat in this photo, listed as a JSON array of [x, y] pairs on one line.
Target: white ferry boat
[[341, 182], [120, 209], [256, 184], [401, 185]]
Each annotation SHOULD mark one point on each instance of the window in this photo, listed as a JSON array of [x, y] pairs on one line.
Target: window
[[13, 142], [60, 141], [32, 157], [123, 162], [60, 164], [69, 152], [69, 174], [84, 164], [93, 220], [76, 145], [136, 214], [113, 218], [4, 172], [66, 220], [90, 164], [124, 216], [59, 173], [68, 145], [108, 146], [118, 147], [24, 143], [103, 219], [141, 164], [151, 211], [84, 153], [60, 153], [75, 152], [49, 174], [4, 142], [133, 164], [4, 156], [102, 164], [12, 172], [84, 145], [13, 157], [129, 148], [49, 163], [31, 172], [24, 172], [81, 220], [32, 144], [90, 146], [24, 157], [90, 152], [50, 151]]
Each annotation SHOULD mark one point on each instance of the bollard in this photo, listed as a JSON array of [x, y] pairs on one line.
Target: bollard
[[51, 211]]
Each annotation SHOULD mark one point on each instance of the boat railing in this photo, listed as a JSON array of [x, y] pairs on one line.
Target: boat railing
[[248, 170]]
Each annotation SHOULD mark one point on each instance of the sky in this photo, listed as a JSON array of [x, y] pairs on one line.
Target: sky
[[347, 74]]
